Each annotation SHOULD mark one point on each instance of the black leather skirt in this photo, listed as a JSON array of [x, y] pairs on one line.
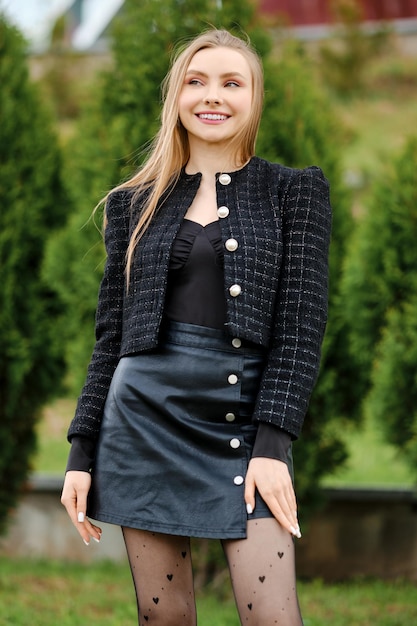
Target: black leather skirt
[[177, 436]]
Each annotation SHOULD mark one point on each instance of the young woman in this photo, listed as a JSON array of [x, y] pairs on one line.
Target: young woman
[[210, 319]]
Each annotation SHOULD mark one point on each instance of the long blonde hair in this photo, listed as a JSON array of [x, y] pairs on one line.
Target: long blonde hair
[[170, 150]]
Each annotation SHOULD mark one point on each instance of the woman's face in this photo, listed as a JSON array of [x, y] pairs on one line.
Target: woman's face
[[216, 97]]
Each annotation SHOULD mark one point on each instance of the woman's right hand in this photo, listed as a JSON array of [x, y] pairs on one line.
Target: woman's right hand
[[74, 498]]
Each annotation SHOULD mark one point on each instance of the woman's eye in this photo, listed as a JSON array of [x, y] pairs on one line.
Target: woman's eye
[[232, 83], [194, 81]]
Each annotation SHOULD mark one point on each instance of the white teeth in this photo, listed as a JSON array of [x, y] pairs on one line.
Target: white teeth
[[212, 116]]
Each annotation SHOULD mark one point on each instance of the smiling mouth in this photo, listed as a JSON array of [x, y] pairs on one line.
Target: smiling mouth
[[216, 117]]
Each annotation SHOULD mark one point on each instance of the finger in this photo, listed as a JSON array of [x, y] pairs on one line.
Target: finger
[[94, 532], [71, 507], [282, 509], [249, 493], [289, 504], [280, 514], [280, 499], [86, 529], [81, 506]]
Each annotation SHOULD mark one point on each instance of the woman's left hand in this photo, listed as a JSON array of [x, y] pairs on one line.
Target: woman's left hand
[[273, 481]]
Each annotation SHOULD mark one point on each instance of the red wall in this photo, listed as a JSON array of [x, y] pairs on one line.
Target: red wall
[[304, 12]]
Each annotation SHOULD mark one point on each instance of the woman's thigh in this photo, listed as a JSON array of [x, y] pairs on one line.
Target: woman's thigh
[[162, 574], [262, 570]]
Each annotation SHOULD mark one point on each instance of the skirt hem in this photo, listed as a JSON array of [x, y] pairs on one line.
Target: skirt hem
[[167, 529]]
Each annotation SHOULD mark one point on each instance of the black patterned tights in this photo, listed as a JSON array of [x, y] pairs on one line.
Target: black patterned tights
[[261, 567]]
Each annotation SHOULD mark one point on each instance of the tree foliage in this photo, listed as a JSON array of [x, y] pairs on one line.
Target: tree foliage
[[298, 129], [380, 286], [346, 58], [32, 204]]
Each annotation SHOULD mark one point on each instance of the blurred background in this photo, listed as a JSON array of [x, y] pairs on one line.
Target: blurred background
[[79, 101]]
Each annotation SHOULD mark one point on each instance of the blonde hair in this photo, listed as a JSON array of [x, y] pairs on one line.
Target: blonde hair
[[170, 150]]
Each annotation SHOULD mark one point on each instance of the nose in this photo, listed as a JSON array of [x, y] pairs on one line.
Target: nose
[[212, 100], [212, 95]]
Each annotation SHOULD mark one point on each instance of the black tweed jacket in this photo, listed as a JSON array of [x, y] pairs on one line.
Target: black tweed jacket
[[281, 219]]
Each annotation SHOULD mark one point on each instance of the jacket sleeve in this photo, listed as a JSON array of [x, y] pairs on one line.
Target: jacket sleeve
[[301, 306], [109, 321]]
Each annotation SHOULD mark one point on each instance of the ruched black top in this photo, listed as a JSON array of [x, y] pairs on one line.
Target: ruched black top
[[195, 288]]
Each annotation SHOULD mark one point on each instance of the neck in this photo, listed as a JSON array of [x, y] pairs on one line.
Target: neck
[[211, 161]]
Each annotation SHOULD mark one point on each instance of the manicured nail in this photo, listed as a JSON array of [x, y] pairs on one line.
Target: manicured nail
[[80, 517], [249, 509], [86, 542], [96, 540], [296, 531]]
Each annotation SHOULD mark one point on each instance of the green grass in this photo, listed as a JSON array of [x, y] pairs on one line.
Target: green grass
[[53, 447], [377, 128], [380, 119], [48, 593], [372, 462]]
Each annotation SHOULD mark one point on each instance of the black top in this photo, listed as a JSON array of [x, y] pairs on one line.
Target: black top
[[195, 289], [195, 295]]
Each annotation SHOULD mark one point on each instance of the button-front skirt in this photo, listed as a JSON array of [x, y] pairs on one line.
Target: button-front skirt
[[177, 436]]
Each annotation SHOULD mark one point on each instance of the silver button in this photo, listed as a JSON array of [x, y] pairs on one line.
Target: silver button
[[224, 179], [236, 342], [230, 417], [223, 211], [232, 379], [234, 443], [231, 245], [235, 290], [238, 480]]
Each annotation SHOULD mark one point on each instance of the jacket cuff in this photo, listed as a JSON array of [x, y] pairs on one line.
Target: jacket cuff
[[271, 442], [81, 455]]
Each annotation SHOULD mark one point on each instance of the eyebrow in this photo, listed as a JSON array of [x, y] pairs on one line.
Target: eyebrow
[[225, 75]]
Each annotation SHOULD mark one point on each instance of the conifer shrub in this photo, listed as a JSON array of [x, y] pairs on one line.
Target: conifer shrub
[[32, 205], [379, 290]]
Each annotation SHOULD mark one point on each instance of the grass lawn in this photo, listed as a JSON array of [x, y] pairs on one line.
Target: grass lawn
[[379, 119], [372, 462], [51, 594], [53, 447]]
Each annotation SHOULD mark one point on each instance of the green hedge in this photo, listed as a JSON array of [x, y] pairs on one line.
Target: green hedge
[[32, 205]]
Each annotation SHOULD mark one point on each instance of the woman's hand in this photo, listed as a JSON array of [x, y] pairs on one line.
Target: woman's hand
[[273, 481], [74, 498]]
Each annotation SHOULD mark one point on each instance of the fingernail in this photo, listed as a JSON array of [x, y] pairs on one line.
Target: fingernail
[[249, 509], [80, 517], [96, 540], [296, 532], [86, 542]]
